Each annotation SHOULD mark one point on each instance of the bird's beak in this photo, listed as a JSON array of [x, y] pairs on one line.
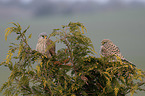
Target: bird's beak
[[45, 37]]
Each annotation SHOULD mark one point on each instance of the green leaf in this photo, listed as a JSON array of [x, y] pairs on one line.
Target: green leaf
[[15, 57], [18, 37], [26, 30], [38, 70], [20, 50], [19, 27], [14, 24], [30, 35], [65, 66]]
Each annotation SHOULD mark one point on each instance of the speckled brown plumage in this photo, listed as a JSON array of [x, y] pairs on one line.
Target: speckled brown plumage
[[109, 49], [43, 45]]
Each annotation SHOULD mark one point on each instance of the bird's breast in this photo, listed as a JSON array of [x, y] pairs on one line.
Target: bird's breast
[[41, 46]]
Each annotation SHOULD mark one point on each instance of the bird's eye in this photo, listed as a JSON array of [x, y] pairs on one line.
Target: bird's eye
[[103, 43], [43, 36]]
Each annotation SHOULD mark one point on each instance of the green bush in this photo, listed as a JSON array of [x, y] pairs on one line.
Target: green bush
[[73, 71]]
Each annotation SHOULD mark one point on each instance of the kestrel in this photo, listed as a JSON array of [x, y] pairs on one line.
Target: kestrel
[[110, 49], [43, 43]]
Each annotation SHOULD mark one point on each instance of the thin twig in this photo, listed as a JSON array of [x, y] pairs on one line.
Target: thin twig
[[70, 51]]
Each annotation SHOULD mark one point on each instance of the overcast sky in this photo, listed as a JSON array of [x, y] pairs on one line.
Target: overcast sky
[[99, 1]]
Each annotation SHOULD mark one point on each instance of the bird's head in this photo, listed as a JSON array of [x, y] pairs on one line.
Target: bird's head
[[43, 35], [105, 41]]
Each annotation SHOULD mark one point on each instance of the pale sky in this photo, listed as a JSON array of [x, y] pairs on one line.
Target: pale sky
[[98, 1]]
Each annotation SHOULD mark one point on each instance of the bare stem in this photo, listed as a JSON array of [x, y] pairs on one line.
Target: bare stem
[[70, 51]]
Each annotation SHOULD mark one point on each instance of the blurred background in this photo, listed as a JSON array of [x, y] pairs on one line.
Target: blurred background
[[122, 21]]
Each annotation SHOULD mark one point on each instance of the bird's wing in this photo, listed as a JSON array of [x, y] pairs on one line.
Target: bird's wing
[[103, 51], [109, 49], [115, 50], [52, 49]]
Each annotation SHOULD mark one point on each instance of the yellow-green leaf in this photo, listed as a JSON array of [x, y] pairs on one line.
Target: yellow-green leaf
[[73, 95], [7, 32], [45, 82], [20, 50], [14, 24], [82, 29], [30, 35], [80, 74], [60, 91], [38, 70], [116, 91], [41, 64]]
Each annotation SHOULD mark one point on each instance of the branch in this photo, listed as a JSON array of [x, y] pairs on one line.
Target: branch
[[70, 51]]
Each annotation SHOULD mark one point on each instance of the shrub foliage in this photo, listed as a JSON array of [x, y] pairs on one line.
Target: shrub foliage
[[73, 71]]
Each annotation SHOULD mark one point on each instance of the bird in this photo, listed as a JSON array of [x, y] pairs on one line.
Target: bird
[[109, 49], [43, 44]]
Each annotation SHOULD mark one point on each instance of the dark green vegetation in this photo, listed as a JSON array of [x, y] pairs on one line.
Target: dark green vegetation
[[74, 70]]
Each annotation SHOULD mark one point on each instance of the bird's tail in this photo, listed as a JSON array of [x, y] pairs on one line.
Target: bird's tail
[[125, 60]]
